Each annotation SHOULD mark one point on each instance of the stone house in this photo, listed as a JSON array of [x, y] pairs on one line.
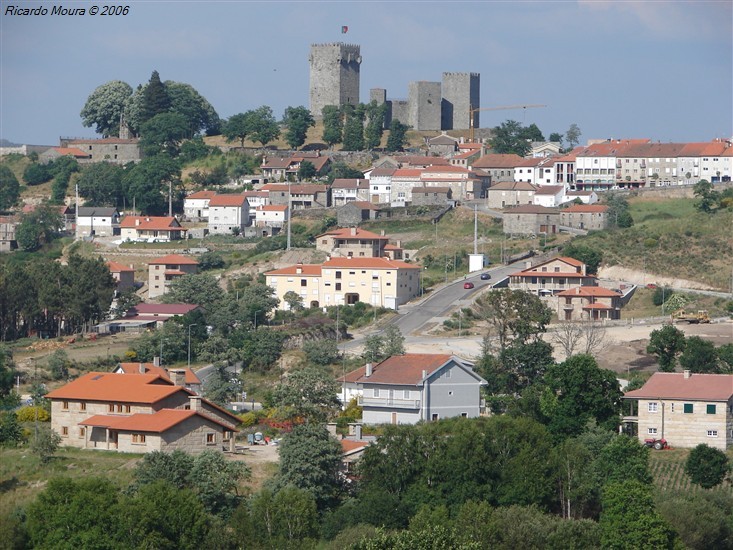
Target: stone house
[[442, 145], [398, 189], [138, 414], [506, 194], [684, 408], [53, 153], [163, 271], [380, 184], [228, 214], [352, 241], [499, 166], [345, 190], [196, 205], [431, 196], [97, 221], [112, 149], [355, 212], [299, 196], [347, 280], [552, 277], [464, 184], [529, 219], [588, 303], [406, 389], [7, 233], [123, 275], [286, 168], [591, 217], [151, 228]]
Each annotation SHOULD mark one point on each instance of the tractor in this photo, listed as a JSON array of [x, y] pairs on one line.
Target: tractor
[[657, 444]]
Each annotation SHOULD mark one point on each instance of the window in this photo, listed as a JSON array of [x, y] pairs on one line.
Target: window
[[407, 394], [710, 409], [688, 408], [65, 431], [111, 408], [376, 392], [83, 406], [138, 439], [712, 433], [464, 415], [435, 417], [338, 274], [652, 407], [82, 431], [338, 286], [672, 406], [651, 431], [65, 405], [557, 270], [128, 408], [304, 282], [210, 438], [119, 408]]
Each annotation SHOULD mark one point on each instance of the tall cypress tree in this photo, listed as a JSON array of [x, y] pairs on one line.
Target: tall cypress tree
[[155, 98]]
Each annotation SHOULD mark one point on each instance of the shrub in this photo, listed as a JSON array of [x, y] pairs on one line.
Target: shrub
[[707, 466], [28, 414]]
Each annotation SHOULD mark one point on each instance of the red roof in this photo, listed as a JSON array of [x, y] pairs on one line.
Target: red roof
[[410, 369], [228, 200], [407, 173], [157, 422], [368, 263], [549, 189], [173, 259], [272, 208], [349, 446], [150, 368], [202, 195], [673, 385], [73, 151], [306, 270], [587, 208], [496, 160], [106, 386], [343, 183], [147, 223], [590, 291], [161, 309], [114, 267], [346, 233]]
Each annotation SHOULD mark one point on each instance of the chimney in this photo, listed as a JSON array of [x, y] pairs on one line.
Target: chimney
[[687, 374], [399, 243], [424, 374], [368, 372], [353, 231], [141, 368], [156, 361], [357, 432], [194, 402], [331, 427], [382, 232], [299, 267], [137, 221], [178, 377]]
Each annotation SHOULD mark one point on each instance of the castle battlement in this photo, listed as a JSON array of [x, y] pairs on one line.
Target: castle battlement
[[354, 47], [472, 75]]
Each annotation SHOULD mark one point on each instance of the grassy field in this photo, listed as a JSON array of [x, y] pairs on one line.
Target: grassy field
[[670, 238], [668, 471], [641, 305]]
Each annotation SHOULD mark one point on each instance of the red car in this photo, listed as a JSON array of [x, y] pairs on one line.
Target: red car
[[468, 285]]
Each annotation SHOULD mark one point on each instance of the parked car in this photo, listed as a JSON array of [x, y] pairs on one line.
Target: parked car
[[485, 276], [651, 286], [468, 285]]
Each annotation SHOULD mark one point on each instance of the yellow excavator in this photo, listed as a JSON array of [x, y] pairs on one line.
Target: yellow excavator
[[683, 316]]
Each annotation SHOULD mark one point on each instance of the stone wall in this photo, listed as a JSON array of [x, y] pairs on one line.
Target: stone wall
[[334, 75], [424, 101], [461, 91]]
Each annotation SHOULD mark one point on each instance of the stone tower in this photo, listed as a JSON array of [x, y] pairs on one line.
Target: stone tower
[[424, 105], [334, 75], [461, 92]]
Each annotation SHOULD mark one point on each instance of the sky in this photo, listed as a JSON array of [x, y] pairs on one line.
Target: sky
[[618, 69]]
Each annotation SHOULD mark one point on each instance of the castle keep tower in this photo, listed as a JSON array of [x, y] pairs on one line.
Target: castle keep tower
[[461, 92], [334, 75]]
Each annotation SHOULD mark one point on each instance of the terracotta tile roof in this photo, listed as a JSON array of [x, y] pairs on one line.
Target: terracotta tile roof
[[609, 148], [403, 369], [513, 186], [367, 263], [567, 260], [73, 151], [407, 173], [114, 267], [113, 140], [157, 422], [106, 386], [173, 259], [590, 291], [673, 385], [551, 274], [531, 162], [147, 223], [579, 193], [651, 150], [496, 160], [549, 189], [148, 368], [261, 194], [344, 183], [272, 208], [161, 309], [307, 270], [392, 247], [383, 171], [202, 195], [174, 272], [530, 209], [587, 208], [365, 205], [227, 200], [349, 446], [346, 233], [447, 168]]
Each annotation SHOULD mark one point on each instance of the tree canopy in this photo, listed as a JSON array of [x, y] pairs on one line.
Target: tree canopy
[[105, 107], [9, 188], [297, 120]]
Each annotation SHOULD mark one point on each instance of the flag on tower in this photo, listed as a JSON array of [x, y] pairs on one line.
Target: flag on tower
[[344, 29]]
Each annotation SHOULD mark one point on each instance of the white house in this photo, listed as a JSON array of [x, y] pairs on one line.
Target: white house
[[196, 205], [345, 190], [228, 214], [271, 215], [380, 185], [549, 196], [255, 200], [97, 221]]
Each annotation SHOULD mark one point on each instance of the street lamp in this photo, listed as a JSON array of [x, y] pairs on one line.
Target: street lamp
[[189, 343]]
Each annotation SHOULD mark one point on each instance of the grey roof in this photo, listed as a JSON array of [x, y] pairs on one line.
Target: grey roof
[[88, 211]]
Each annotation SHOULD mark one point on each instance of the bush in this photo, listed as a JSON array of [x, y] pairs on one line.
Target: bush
[[707, 466], [661, 295], [28, 414]]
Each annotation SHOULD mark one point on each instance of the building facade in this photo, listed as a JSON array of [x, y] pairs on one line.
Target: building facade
[[228, 214], [163, 271]]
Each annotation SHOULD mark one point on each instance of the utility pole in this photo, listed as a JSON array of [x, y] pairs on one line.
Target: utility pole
[[189, 343], [170, 199], [290, 213]]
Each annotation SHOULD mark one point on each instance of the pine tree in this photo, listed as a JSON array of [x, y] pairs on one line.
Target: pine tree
[[155, 98]]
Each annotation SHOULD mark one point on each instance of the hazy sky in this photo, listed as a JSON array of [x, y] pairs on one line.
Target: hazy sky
[[657, 69]]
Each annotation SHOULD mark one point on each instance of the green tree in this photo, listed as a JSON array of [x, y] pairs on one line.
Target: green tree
[[321, 352], [45, 442], [38, 227], [556, 137], [699, 356], [310, 393], [666, 343], [397, 136], [572, 136], [620, 459], [216, 480], [354, 129], [306, 170], [58, 364], [263, 126], [661, 295], [173, 468], [394, 342], [163, 134], [194, 288], [11, 432], [284, 519], [237, 127], [332, 129], [62, 170], [294, 300], [310, 460], [155, 99], [532, 133], [37, 173], [709, 199], [725, 358], [629, 519], [591, 257], [101, 184], [618, 211], [105, 107], [342, 170], [707, 466], [509, 137], [9, 188], [579, 390], [199, 114], [700, 519], [147, 184], [375, 124], [297, 120]]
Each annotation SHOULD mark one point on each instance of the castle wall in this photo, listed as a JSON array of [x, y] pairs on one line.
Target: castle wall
[[461, 91], [399, 111], [334, 75], [424, 105]]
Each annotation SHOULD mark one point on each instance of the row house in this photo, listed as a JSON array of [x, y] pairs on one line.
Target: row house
[[151, 229], [591, 217], [228, 214], [500, 167], [551, 277], [565, 168], [529, 219], [596, 165], [138, 414], [507, 194], [163, 271], [196, 205], [648, 164], [286, 168], [380, 184], [712, 161], [97, 221], [345, 190], [464, 184], [536, 170], [380, 282], [298, 196], [352, 241], [402, 182], [550, 196], [588, 303]]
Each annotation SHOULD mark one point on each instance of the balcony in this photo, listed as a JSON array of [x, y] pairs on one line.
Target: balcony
[[392, 403]]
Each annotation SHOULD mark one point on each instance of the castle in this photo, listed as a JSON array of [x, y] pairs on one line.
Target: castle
[[430, 106]]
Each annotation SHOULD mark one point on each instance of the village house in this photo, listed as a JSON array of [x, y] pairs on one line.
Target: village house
[[687, 409], [506, 194], [352, 241], [405, 389], [380, 282], [431, 196], [138, 414], [344, 191], [163, 271], [111, 149], [184, 377], [97, 221], [196, 205], [588, 303], [151, 229], [380, 184], [550, 196], [271, 218], [529, 219], [7, 233], [464, 184], [552, 277], [228, 214], [500, 167], [591, 217], [586, 197], [442, 145], [53, 153], [298, 196], [286, 168], [255, 200], [124, 275], [355, 212], [544, 149]]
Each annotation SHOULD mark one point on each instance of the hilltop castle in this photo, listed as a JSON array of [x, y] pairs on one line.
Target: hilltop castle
[[430, 106]]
